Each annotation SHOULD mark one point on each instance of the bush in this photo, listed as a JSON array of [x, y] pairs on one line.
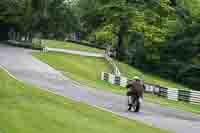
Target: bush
[[37, 44], [103, 36]]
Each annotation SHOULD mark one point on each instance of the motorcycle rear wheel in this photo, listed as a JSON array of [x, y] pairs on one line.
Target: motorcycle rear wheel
[[137, 106]]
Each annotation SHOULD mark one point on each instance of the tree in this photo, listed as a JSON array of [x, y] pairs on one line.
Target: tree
[[122, 36], [180, 56], [44, 16]]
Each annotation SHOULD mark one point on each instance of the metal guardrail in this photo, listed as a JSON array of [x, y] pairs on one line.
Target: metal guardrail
[[106, 56], [116, 70], [169, 93], [75, 52]]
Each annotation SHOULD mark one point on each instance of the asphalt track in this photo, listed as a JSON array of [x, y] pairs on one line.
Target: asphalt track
[[20, 63]]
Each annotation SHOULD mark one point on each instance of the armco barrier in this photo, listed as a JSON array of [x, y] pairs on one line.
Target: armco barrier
[[104, 76], [172, 94], [169, 93], [195, 97], [111, 79], [163, 92], [152, 88], [122, 81], [149, 88], [184, 95], [112, 63], [75, 52]]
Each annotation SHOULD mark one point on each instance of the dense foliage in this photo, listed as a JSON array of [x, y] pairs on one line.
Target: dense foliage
[[180, 57], [49, 17], [158, 36]]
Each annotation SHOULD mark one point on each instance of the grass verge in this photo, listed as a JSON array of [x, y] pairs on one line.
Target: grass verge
[[130, 72], [88, 71], [82, 69], [71, 46], [25, 109]]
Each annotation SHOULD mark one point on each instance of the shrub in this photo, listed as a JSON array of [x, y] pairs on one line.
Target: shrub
[[37, 44], [103, 36]]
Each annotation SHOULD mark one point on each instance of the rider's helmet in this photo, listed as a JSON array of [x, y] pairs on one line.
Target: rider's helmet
[[136, 78]]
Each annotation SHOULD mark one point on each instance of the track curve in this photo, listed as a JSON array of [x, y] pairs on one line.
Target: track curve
[[20, 63]]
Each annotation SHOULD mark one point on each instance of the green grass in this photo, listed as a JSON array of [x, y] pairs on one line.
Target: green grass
[[173, 104], [71, 46], [82, 69], [87, 71], [130, 72], [26, 109]]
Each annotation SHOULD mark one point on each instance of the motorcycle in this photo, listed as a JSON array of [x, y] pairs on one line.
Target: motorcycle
[[134, 102]]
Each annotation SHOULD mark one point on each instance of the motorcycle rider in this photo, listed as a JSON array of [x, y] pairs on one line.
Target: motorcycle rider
[[135, 92]]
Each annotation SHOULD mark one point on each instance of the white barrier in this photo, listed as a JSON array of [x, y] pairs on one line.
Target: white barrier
[[123, 81], [88, 54], [169, 93], [172, 94], [111, 79]]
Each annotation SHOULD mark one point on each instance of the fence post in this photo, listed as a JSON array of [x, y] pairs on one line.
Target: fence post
[[111, 79], [104, 76]]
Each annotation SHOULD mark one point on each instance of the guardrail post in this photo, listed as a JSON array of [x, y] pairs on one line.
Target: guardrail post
[[45, 49], [104, 76], [111, 79]]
